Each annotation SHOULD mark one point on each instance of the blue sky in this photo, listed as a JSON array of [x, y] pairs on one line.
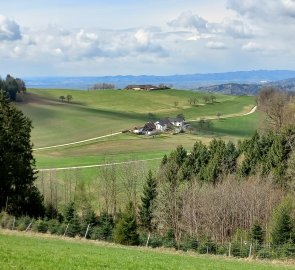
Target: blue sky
[[160, 37]]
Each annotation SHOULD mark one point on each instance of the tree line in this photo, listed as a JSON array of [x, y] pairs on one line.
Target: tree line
[[12, 86]]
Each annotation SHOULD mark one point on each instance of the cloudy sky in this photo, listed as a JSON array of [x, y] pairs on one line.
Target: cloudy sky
[[160, 37]]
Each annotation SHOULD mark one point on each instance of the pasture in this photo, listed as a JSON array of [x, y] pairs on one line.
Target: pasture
[[22, 251]]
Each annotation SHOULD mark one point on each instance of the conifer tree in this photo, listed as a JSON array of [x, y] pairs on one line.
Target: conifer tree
[[126, 229], [147, 207], [257, 234], [282, 223], [18, 195]]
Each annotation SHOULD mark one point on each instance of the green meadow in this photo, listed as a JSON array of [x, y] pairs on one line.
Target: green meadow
[[27, 252], [96, 113]]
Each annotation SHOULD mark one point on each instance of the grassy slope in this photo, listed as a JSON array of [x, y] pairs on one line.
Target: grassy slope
[[97, 113], [27, 252]]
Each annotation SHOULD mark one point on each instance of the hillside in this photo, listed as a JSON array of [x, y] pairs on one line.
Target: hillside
[[248, 89], [20, 251]]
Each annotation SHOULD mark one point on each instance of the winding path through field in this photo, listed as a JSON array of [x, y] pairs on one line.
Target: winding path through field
[[224, 117], [97, 165], [78, 142]]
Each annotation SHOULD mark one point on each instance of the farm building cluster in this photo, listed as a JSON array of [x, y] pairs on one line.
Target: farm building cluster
[[176, 125], [146, 87]]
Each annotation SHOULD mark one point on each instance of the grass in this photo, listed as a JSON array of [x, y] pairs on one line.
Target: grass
[[96, 113], [21, 252]]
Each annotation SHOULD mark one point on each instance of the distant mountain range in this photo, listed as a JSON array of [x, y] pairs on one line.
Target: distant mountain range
[[239, 82]]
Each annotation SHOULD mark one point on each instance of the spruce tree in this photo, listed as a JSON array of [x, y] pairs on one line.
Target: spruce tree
[[147, 206], [18, 195], [257, 234], [126, 229], [282, 224]]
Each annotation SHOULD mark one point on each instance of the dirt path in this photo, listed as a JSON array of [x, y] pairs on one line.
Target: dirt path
[[224, 117], [78, 142]]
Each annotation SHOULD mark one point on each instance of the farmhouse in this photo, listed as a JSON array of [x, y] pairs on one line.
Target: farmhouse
[[142, 87], [163, 124], [146, 87], [167, 123], [177, 122]]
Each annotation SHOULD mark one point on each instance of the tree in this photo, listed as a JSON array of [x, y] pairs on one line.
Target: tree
[[146, 210], [257, 234], [11, 87], [62, 98], [274, 104], [69, 98], [126, 229], [18, 195], [282, 223]]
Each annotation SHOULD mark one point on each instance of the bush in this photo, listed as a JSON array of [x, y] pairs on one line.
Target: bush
[[74, 228], [6, 220], [53, 226], [23, 222], [240, 250], [156, 241], [169, 240], [208, 247], [286, 251], [264, 253], [40, 226], [222, 250], [189, 243]]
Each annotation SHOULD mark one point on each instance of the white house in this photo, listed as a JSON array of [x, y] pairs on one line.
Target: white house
[[163, 124], [177, 122]]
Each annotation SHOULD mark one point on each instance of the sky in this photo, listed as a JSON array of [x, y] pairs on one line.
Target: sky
[[152, 37]]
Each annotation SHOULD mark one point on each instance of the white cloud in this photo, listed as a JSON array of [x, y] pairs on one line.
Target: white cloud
[[192, 21], [9, 29], [253, 46], [216, 45]]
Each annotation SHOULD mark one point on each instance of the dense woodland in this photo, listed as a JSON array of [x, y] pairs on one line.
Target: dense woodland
[[217, 198]]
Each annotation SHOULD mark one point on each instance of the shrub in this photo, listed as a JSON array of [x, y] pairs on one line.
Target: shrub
[[264, 253], [169, 239], [155, 241], [6, 220], [53, 226], [189, 243], [23, 222], [207, 246], [40, 226]]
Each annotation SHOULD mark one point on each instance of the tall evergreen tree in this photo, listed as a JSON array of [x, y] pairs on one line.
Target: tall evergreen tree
[[147, 207], [126, 229], [18, 195], [282, 223]]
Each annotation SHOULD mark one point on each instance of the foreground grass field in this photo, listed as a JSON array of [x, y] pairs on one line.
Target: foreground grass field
[[22, 252]]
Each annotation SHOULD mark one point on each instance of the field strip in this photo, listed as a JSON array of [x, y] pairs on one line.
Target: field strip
[[116, 133], [78, 142], [224, 117], [97, 165]]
